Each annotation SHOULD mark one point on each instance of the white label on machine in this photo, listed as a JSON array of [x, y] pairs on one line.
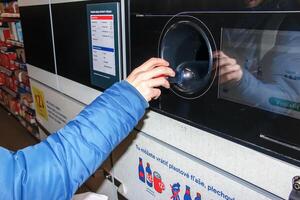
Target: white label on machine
[[103, 41], [150, 170]]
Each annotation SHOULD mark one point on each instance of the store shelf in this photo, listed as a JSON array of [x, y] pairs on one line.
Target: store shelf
[[15, 43], [30, 108], [7, 109], [10, 15], [10, 47], [28, 122], [9, 91], [3, 104], [6, 71], [7, 51]]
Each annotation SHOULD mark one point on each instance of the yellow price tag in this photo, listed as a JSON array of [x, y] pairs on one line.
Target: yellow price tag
[[39, 101]]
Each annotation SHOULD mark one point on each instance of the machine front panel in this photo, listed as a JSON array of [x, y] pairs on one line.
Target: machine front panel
[[261, 109]]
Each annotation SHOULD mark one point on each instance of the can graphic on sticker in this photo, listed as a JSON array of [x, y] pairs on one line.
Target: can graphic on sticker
[[159, 186]]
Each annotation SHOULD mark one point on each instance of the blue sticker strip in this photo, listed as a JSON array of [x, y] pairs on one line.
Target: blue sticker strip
[[104, 48]]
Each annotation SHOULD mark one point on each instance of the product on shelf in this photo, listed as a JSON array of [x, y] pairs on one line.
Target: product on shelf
[[12, 83], [20, 55], [10, 103], [1, 8], [1, 97], [2, 78], [7, 60], [10, 7], [22, 76], [13, 106], [4, 34], [11, 32], [26, 99]]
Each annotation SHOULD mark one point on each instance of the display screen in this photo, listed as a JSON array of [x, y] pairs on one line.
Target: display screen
[[103, 25], [266, 74]]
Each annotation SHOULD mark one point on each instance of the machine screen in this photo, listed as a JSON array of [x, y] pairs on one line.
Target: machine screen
[[267, 74], [103, 25]]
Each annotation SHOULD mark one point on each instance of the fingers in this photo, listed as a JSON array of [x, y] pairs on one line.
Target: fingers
[[157, 82], [155, 93], [157, 72], [232, 76], [150, 64], [150, 93], [223, 61], [228, 69], [219, 54], [148, 77]]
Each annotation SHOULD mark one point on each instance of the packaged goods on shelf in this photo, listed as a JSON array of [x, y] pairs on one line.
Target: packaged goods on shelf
[[20, 55], [1, 8], [22, 76], [10, 102], [22, 66], [12, 83], [14, 106], [12, 31], [26, 99], [4, 34], [24, 88], [15, 91], [19, 31], [2, 78], [7, 60], [11, 7], [1, 97]]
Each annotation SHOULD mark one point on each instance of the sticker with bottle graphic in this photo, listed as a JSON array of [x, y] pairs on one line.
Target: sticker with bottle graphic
[[152, 180]]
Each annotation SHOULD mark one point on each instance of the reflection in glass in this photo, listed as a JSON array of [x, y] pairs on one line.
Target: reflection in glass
[[269, 61]]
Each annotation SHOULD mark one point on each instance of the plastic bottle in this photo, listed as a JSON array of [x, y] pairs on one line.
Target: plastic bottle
[[141, 170], [187, 195], [198, 197], [149, 178]]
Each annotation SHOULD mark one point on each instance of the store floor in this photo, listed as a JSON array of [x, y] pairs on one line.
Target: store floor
[[14, 136]]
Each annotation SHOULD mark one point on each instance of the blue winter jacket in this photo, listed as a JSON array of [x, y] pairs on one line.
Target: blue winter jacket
[[57, 166]]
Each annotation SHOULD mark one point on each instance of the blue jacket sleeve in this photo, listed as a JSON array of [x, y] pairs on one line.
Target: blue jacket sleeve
[[56, 167]]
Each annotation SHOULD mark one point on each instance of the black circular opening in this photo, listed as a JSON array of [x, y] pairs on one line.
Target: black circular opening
[[186, 46]]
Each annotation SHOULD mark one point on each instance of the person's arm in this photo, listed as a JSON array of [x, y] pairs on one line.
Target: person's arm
[[56, 167], [241, 86]]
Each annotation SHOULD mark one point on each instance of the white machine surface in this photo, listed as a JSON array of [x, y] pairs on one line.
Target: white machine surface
[[179, 156]]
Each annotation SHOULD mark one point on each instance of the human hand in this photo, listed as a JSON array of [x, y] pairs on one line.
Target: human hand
[[229, 69], [149, 76]]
